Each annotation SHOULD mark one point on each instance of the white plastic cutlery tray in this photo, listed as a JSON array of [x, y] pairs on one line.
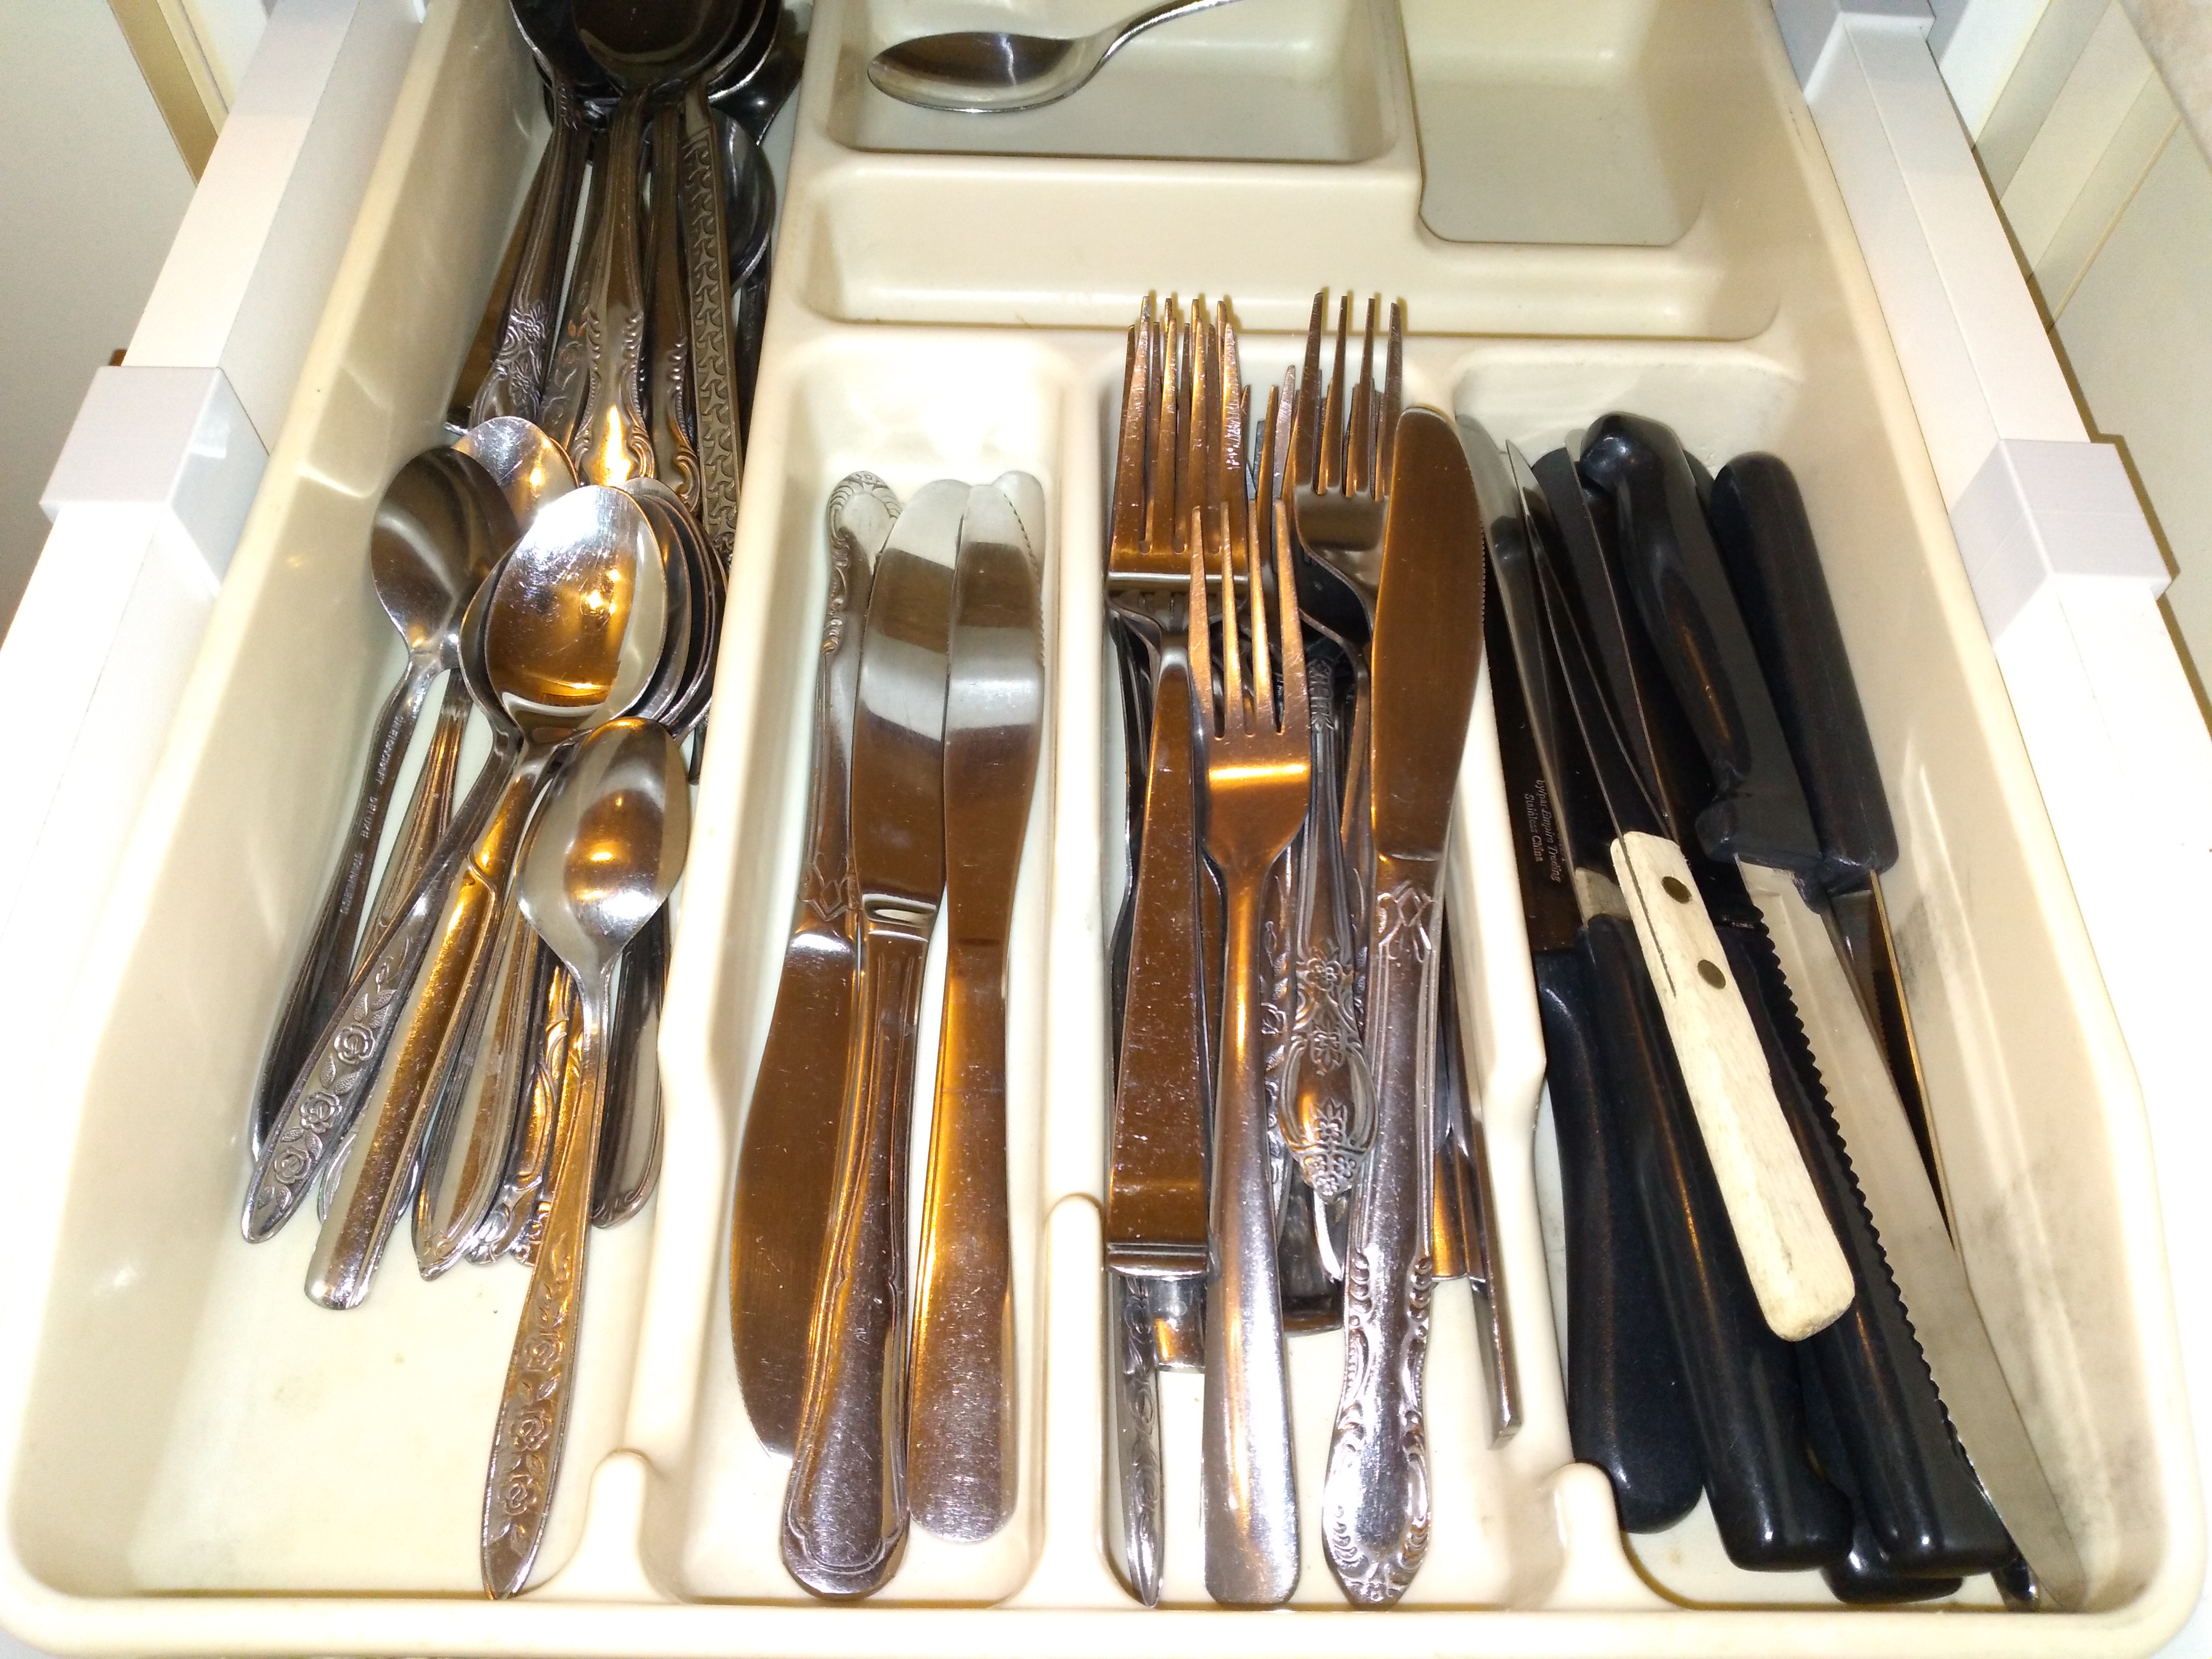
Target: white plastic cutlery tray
[[1586, 204]]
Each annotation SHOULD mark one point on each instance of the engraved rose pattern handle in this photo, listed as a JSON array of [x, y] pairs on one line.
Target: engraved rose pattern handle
[[1375, 1496]]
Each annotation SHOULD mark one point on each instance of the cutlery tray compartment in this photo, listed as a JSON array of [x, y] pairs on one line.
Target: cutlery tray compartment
[[1292, 81], [197, 1460]]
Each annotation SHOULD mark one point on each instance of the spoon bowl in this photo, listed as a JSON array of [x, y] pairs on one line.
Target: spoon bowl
[[576, 621], [608, 846], [524, 461], [442, 525], [648, 43]]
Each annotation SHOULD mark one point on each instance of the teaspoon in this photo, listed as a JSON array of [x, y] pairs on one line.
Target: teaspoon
[[990, 72], [441, 525], [606, 853]]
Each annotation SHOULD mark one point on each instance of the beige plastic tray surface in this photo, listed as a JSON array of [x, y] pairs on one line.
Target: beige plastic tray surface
[[196, 1460]]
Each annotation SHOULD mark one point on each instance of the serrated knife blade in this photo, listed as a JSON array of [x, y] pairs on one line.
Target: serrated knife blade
[[1931, 1280]]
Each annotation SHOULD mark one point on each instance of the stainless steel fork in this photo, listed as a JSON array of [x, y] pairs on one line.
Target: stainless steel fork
[[1258, 773]]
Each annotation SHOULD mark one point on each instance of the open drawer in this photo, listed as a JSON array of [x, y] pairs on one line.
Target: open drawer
[[197, 1460]]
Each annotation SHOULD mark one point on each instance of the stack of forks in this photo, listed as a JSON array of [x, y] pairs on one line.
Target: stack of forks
[[1241, 579]]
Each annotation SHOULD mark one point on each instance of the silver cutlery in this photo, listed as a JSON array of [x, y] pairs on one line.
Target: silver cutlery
[[1258, 775], [1427, 649], [442, 526], [786, 1155], [570, 632], [961, 1456], [1155, 1214], [979, 72], [845, 1510], [607, 849]]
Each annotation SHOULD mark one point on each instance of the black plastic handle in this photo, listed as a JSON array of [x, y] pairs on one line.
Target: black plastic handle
[[1912, 1484], [1626, 1409], [1771, 1507], [1767, 546], [1866, 1576], [1681, 592]]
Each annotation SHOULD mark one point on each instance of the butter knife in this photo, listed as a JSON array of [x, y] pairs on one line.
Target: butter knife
[[961, 1454], [845, 1508], [787, 1157], [1427, 649]]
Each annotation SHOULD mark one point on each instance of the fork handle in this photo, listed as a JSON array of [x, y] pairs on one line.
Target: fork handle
[[1375, 1496], [1251, 1492]]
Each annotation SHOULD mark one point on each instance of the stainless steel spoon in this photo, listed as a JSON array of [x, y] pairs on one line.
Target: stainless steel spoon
[[605, 854], [572, 629], [470, 1158], [573, 634], [440, 528], [989, 72]]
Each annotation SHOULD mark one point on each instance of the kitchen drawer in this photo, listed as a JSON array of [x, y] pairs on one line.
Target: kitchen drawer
[[197, 1460]]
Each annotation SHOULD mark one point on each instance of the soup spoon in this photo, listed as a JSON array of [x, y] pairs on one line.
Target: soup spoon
[[992, 72]]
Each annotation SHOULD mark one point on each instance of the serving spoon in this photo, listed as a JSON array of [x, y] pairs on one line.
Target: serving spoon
[[442, 526], [995, 72], [606, 853]]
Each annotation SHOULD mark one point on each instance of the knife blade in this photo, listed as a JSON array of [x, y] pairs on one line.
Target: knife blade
[[845, 1508], [1913, 1484], [960, 1438], [1426, 651], [786, 1158], [1725, 1413], [1765, 541]]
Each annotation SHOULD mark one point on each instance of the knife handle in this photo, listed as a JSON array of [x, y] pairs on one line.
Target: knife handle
[[1772, 1509], [1376, 1495], [1627, 1410], [845, 1508], [1767, 546], [1681, 592], [1136, 1433], [1866, 1576], [960, 1435], [1914, 1486]]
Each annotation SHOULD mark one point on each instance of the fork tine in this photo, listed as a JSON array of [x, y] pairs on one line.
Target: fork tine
[[1193, 482], [1359, 471], [1161, 532], [1128, 525], [1270, 459], [1200, 633], [1229, 379], [1331, 475], [1386, 442], [1294, 643], [1263, 675], [1305, 423], [1236, 717]]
